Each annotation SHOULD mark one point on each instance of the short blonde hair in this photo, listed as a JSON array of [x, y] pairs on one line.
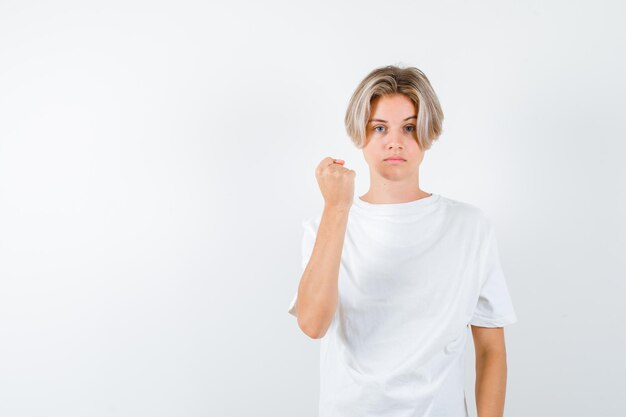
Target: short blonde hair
[[389, 80]]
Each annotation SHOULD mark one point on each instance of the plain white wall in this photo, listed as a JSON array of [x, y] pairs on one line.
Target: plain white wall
[[157, 158]]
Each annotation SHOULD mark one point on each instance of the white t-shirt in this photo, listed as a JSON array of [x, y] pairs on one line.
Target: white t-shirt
[[413, 276]]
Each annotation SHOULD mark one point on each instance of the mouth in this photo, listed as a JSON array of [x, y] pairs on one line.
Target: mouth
[[395, 160]]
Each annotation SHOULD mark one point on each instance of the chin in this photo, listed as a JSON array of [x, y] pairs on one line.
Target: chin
[[393, 176]]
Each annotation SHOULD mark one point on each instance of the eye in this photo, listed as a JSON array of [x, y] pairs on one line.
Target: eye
[[376, 127], [412, 128]]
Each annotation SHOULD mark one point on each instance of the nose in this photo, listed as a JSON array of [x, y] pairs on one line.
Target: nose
[[395, 140]]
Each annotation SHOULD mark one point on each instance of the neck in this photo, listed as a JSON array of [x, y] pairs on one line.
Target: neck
[[391, 195]]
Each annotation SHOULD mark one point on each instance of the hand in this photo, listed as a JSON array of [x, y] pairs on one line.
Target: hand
[[336, 183]]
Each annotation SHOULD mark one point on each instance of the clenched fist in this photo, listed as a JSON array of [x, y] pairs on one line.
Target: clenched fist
[[336, 183]]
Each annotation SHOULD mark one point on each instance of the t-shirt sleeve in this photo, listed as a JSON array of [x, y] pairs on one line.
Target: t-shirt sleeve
[[308, 241], [494, 307]]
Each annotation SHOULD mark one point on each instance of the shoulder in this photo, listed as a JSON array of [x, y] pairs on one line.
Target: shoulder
[[464, 210], [468, 217]]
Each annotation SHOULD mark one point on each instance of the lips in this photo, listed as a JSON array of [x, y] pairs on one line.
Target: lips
[[395, 158]]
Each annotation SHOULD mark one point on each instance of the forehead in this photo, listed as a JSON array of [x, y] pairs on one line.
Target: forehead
[[392, 107]]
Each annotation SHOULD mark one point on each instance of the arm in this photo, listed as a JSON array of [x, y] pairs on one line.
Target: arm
[[491, 370], [318, 288]]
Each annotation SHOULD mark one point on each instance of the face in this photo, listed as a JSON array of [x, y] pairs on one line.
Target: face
[[391, 131]]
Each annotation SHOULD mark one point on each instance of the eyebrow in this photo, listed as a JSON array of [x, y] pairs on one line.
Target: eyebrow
[[384, 121]]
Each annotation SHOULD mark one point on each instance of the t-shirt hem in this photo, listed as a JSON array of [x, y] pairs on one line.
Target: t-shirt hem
[[482, 321]]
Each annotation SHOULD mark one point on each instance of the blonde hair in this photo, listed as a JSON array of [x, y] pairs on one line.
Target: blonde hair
[[389, 80]]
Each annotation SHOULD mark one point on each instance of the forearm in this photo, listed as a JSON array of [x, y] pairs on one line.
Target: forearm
[[318, 289], [491, 374]]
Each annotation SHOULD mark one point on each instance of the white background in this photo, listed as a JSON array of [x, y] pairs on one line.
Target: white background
[[157, 158]]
